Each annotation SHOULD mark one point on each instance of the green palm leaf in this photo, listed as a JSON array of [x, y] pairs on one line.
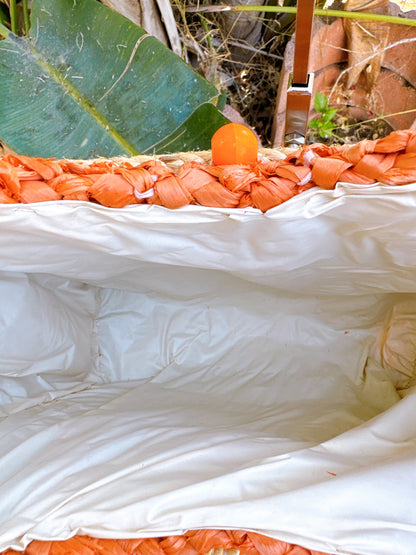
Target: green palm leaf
[[87, 82]]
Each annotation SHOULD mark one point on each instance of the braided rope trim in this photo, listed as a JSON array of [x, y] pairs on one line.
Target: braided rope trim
[[197, 542], [178, 180]]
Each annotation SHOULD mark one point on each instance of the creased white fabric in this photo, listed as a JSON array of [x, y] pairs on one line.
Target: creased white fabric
[[200, 368]]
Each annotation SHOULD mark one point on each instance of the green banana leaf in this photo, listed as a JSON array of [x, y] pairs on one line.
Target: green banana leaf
[[87, 82]]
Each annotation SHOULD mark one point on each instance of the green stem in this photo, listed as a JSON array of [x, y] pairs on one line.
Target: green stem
[[368, 16], [204, 24], [336, 136], [4, 31], [26, 18], [13, 17], [318, 11], [379, 117]]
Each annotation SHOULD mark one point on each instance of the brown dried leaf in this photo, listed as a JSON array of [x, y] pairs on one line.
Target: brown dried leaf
[[365, 39], [128, 8], [244, 27], [371, 6], [170, 25], [151, 20], [144, 13]]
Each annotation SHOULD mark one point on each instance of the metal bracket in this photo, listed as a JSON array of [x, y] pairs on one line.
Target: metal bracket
[[294, 139], [297, 110], [305, 88]]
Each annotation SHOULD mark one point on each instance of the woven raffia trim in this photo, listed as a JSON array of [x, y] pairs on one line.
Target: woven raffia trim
[[182, 179], [197, 542]]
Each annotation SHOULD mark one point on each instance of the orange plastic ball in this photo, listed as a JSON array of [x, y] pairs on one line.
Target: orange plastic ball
[[234, 143]]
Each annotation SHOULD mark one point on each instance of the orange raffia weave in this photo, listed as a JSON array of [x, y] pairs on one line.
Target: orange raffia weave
[[197, 542], [263, 185]]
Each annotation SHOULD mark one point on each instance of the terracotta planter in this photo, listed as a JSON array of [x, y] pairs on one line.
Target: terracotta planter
[[394, 91]]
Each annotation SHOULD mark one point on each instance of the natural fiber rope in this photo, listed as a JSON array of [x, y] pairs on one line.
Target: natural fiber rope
[[178, 180]]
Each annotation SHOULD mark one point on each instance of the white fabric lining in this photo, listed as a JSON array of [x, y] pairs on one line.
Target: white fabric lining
[[168, 370]]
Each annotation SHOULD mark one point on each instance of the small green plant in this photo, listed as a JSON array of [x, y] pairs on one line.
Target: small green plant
[[323, 124]]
